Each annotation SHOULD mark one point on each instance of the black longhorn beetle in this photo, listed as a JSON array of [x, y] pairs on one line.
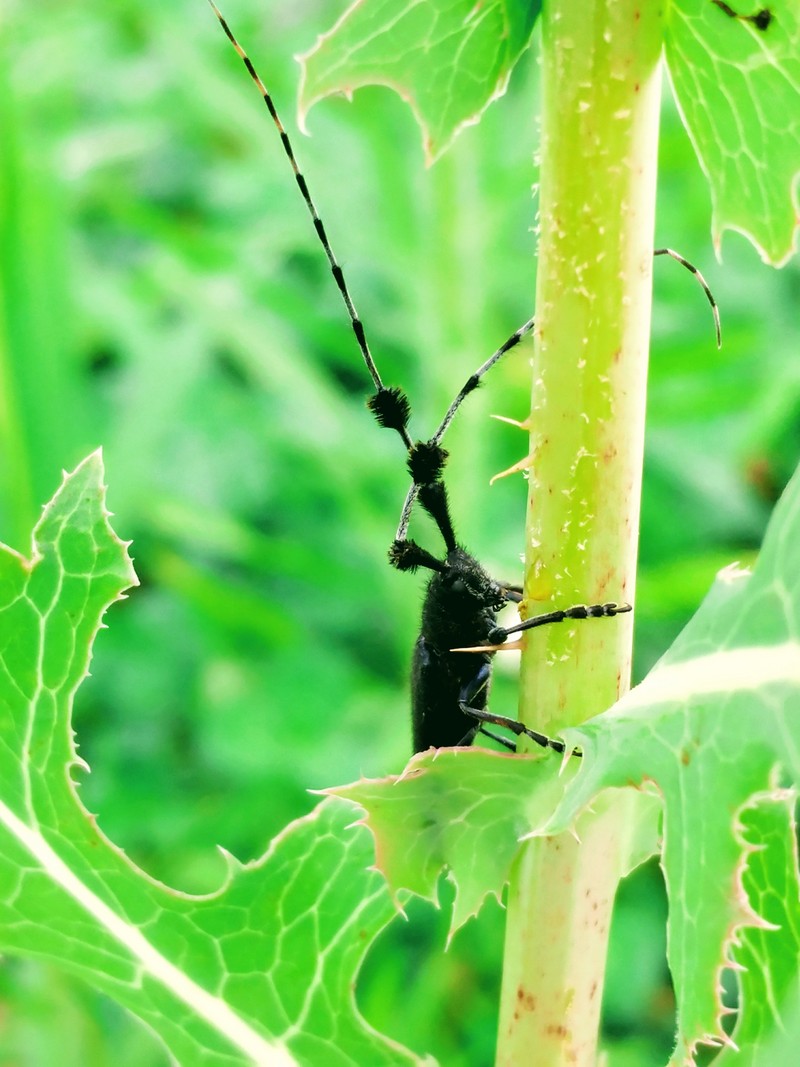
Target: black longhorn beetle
[[449, 686]]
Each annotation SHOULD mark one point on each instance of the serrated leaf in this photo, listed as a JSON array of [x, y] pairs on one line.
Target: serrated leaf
[[448, 59], [768, 979], [261, 971], [466, 811], [713, 726], [738, 89]]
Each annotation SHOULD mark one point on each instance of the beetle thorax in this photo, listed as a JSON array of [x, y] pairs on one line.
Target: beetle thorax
[[461, 603]]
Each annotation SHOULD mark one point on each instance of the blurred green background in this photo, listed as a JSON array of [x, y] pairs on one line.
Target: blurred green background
[[162, 297]]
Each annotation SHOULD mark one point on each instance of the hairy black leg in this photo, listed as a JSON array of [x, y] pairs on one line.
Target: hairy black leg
[[497, 737], [469, 737], [470, 691], [516, 727]]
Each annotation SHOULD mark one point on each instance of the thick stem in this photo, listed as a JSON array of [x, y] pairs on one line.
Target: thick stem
[[601, 89]]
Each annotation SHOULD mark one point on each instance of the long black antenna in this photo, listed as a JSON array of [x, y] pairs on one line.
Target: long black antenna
[[390, 406], [336, 270], [475, 379], [469, 385], [702, 283]]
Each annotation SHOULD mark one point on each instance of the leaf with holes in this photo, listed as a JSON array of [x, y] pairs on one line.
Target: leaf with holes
[[261, 971], [447, 58], [738, 88]]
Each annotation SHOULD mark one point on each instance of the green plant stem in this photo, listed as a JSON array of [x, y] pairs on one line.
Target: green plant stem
[[601, 92]]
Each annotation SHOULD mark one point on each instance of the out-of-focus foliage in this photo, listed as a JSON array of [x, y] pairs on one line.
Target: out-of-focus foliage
[[260, 971], [162, 295]]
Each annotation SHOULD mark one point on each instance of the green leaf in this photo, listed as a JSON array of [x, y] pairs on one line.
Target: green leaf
[[715, 728], [770, 965], [466, 811], [260, 971], [447, 58], [738, 89], [708, 735]]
